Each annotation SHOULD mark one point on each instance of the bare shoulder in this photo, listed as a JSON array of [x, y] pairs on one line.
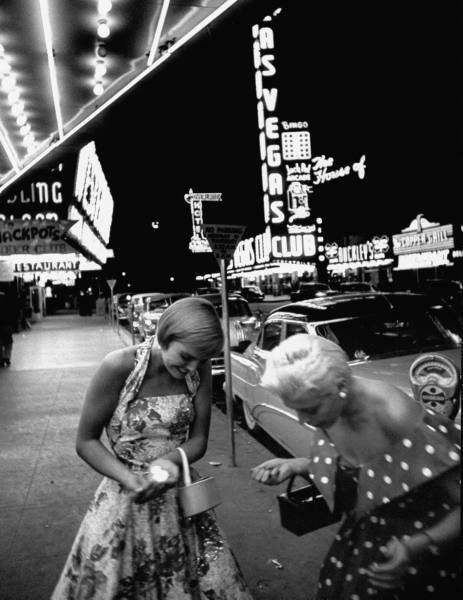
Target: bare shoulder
[[118, 364], [397, 413]]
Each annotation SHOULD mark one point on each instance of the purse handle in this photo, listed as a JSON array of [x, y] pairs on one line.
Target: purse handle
[[185, 466], [290, 484]]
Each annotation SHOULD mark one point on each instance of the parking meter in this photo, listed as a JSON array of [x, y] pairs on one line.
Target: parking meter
[[435, 383]]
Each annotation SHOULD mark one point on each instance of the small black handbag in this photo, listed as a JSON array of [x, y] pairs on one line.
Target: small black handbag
[[304, 510]]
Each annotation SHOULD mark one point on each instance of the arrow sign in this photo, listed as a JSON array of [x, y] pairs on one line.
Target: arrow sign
[[223, 239], [203, 196]]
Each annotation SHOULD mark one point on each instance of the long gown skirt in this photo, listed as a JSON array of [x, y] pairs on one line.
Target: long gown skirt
[[148, 551]]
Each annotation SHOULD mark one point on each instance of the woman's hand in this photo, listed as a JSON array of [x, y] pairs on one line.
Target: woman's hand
[[276, 470], [162, 474], [389, 573]]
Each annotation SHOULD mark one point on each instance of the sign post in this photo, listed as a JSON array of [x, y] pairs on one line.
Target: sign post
[[111, 283], [223, 240]]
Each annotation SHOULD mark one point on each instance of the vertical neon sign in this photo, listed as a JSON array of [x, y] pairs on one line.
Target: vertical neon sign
[[268, 123]]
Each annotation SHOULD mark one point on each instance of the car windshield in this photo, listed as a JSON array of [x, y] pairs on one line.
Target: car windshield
[[314, 286], [356, 287], [394, 333], [236, 308], [157, 305]]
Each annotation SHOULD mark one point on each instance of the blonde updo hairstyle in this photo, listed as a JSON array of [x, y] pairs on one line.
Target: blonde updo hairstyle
[[306, 362], [192, 321]]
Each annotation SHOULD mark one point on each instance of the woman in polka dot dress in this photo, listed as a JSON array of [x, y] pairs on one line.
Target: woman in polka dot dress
[[391, 466]]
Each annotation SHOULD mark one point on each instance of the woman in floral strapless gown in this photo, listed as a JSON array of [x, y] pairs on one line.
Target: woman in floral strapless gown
[[134, 542]]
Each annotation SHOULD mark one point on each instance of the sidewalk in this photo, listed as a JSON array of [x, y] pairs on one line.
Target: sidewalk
[[45, 487]]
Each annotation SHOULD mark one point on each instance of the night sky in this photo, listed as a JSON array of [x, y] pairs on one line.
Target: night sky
[[370, 78]]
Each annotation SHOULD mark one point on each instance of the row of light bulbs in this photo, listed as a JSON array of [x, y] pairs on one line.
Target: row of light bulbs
[[11, 90], [103, 31]]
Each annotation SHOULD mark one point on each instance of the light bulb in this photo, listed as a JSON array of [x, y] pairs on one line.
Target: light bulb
[[98, 88], [104, 6], [29, 139], [8, 83], [103, 29], [25, 129], [21, 120], [17, 108], [13, 96], [4, 66], [100, 69]]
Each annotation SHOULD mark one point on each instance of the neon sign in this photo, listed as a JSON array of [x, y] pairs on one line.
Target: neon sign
[[423, 236], [44, 198], [268, 123], [375, 250], [92, 193], [423, 260], [198, 242], [18, 236], [263, 248], [289, 170]]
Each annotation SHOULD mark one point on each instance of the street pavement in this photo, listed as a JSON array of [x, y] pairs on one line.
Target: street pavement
[[46, 488]]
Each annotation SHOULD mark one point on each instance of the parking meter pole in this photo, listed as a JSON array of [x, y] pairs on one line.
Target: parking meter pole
[[227, 364], [132, 333], [111, 310], [111, 283]]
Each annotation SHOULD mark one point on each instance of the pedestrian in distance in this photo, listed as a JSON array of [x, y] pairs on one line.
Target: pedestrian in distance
[[388, 464], [8, 323], [150, 399]]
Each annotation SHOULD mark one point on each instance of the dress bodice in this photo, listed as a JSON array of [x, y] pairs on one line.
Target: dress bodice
[[145, 428]]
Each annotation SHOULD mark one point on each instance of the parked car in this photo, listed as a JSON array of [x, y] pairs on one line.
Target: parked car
[[443, 290], [382, 334], [121, 307], [356, 286], [310, 289], [153, 305], [252, 293], [137, 306], [243, 325], [207, 290]]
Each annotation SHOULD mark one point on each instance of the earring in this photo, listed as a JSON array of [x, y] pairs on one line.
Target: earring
[[342, 395]]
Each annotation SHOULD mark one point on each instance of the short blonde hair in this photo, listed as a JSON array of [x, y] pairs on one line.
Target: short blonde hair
[[192, 321], [305, 362]]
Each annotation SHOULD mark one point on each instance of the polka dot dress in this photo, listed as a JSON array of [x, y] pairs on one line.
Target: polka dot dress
[[400, 493]]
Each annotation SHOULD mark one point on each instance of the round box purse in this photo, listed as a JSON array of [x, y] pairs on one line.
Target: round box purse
[[198, 496]]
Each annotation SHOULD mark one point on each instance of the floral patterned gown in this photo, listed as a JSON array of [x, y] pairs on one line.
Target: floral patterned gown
[[148, 551]]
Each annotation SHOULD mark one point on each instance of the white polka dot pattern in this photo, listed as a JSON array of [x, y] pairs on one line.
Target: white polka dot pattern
[[424, 453]]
